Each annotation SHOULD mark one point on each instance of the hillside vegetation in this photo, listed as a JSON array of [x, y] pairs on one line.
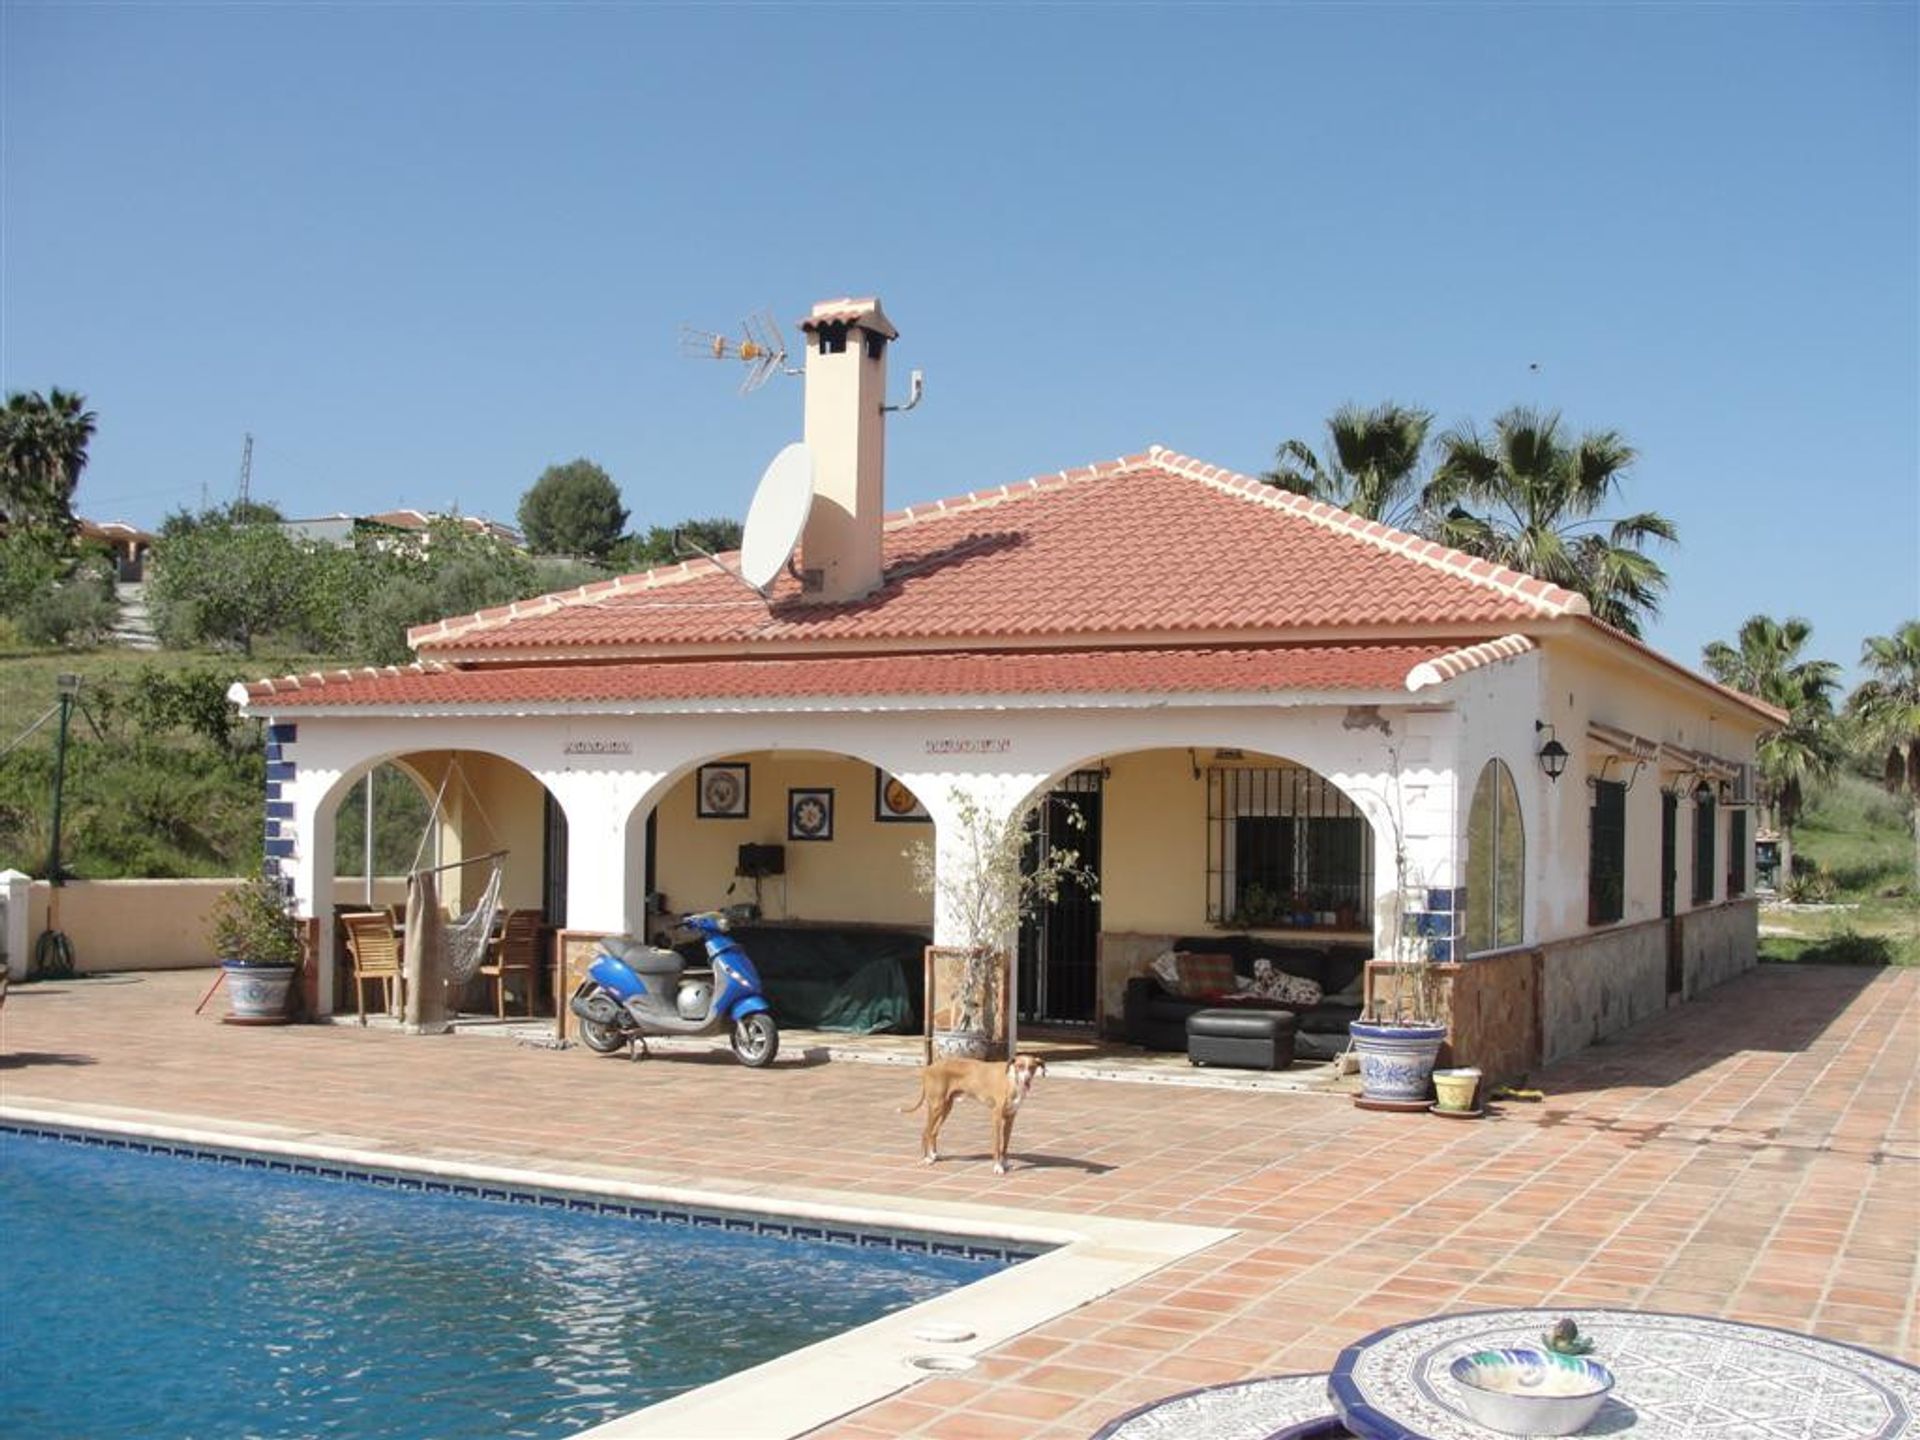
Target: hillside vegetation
[[1855, 857]]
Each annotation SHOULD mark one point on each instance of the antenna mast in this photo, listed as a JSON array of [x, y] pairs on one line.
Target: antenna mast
[[246, 471], [762, 350]]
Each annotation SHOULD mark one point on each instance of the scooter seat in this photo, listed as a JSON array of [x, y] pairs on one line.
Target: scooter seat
[[650, 959]]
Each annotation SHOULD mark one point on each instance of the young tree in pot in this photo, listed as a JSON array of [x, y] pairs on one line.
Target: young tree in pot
[[258, 941], [1004, 874]]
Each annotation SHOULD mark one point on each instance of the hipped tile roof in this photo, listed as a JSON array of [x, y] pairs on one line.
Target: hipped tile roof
[[1272, 669], [1149, 546]]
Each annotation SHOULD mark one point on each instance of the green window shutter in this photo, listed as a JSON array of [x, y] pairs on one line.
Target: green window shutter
[[1607, 853], [1703, 852]]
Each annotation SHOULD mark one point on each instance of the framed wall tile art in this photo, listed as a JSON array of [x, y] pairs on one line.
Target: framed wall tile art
[[721, 792], [810, 814], [893, 801]]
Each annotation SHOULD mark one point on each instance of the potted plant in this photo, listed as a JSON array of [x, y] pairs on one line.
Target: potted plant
[[258, 942], [1399, 1033], [1002, 876]]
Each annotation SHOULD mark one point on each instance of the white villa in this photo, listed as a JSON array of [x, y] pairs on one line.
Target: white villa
[[1277, 719]]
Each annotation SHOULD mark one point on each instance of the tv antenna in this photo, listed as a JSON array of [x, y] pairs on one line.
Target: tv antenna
[[760, 348]]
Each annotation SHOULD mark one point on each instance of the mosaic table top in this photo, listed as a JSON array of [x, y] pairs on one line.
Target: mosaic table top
[[1677, 1376], [1286, 1407]]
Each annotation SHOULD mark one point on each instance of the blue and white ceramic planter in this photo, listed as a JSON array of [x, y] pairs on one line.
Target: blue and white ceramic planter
[[1396, 1061], [257, 993]]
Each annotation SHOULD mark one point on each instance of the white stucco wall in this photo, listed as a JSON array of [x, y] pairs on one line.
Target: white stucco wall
[[607, 772], [1409, 763], [1579, 689]]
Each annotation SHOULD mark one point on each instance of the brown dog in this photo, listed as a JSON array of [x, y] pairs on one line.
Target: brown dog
[[1000, 1087]]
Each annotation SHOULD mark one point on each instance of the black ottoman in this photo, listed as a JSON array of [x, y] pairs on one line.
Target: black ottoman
[[1250, 1039]]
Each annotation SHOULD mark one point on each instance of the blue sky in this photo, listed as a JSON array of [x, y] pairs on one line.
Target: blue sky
[[420, 253]]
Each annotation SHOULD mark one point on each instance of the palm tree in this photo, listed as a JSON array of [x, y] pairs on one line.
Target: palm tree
[[43, 449], [1542, 492], [1887, 708], [1766, 665], [1371, 462]]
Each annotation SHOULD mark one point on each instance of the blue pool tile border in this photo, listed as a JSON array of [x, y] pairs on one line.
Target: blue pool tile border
[[391, 1178]]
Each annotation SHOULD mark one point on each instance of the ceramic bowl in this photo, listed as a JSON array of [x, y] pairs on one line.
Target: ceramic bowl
[[1531, 1392]]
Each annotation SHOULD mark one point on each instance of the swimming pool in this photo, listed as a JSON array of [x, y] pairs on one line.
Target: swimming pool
[[166, 1290]]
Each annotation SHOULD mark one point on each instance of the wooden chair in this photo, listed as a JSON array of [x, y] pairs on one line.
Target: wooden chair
[[375, 950], [515, 951]]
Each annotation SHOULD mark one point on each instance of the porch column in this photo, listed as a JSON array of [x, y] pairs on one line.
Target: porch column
[[1431, 820], [606, 847], [995, 800], [300, 835]]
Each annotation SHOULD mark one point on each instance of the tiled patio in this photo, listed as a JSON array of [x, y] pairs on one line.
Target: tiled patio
[[1755, 1155]]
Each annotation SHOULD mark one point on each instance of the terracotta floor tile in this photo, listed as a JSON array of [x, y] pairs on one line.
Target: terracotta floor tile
[[1755, 1155]]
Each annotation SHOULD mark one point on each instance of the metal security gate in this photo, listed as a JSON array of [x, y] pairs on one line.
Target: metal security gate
[[1060, 946]]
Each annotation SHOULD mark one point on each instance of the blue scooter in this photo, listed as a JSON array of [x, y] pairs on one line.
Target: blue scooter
[[633, 990]]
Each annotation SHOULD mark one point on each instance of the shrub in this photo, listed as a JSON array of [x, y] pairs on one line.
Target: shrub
[[251, 924], [1808, 885], [74, 615]]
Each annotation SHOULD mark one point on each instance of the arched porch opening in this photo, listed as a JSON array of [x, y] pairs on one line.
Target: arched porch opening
[[458, 814], [1203, 848], [814, 850]]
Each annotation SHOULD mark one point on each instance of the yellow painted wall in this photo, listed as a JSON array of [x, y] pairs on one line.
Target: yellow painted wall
[[1154, 845], [128, 924], [504, 809], [486, 804], [860, 875]]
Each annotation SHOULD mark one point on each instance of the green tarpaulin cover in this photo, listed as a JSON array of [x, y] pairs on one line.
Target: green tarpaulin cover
[[855, 980]]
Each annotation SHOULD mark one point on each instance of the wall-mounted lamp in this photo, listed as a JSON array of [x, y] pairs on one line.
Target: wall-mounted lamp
[[1702, 792], [1552, 755]]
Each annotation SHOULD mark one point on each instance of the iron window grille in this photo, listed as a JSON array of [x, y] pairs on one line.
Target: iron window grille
[[1285, 847]]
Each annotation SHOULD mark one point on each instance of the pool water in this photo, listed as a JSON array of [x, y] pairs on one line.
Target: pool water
[[168, 1298]]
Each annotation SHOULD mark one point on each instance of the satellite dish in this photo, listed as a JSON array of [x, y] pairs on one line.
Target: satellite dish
[[777, 515]]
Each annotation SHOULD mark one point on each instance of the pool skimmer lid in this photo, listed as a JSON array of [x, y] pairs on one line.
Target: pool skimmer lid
[[942, 1364], [943, 1334]]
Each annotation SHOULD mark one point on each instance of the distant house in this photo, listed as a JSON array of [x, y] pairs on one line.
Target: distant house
[[342, 529], [129, 545], [1277, 719]]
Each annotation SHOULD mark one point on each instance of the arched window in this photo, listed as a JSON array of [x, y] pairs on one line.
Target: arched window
[[1496, 862]]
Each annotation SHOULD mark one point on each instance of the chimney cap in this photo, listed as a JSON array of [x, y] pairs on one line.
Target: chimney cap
[[866, 313]]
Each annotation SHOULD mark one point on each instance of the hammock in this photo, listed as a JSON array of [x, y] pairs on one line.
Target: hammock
[[463, 941], [440, 950]]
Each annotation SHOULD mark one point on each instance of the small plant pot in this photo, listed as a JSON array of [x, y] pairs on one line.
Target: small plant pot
[[257, 994], [1455, 1089]]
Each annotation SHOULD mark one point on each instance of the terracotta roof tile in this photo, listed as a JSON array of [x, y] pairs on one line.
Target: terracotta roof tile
[[1155, 545], [1246, 670]]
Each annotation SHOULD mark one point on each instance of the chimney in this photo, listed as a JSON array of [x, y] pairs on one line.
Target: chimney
[[846, 431]]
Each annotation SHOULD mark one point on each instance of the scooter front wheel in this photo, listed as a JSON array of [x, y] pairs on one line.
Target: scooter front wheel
[[756, 1039], [601, 1039]]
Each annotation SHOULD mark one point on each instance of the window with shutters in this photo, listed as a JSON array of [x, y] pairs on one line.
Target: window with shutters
[[1607, 853], [1736, 854], [1703, 826]]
